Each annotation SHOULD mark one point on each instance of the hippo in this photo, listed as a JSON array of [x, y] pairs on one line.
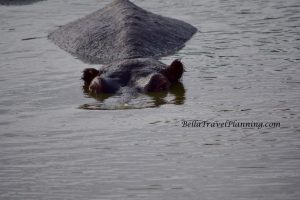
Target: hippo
[[128, 41], [143, 74]]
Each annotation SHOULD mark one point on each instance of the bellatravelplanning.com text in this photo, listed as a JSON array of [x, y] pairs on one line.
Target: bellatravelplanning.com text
[[228, 124]]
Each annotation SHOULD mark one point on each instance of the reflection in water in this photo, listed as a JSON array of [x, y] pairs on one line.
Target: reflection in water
[[129, 98], [158, 98], [179, 93], [177, 90], [18, 2]]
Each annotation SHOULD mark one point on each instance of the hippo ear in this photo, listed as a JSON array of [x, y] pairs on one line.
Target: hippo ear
[[89, 74], [174, 71]]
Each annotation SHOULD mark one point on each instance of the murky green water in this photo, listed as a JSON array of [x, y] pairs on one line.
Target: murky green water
[[243, 65]]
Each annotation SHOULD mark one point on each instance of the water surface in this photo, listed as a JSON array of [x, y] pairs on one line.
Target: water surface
[[243, 64]]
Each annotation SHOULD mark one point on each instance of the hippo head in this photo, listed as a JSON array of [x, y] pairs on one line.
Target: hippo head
[[143, 74]]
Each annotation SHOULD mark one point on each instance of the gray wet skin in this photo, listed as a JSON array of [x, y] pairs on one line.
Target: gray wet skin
[[130, 38], [143, 74]]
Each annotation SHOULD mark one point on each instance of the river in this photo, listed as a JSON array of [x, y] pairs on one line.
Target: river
[[56, 142]]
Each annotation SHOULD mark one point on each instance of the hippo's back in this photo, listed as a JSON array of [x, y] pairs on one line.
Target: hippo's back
[[120, 31]]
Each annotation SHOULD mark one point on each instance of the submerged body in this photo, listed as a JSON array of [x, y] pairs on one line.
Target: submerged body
[[122, 30], [129, 38]]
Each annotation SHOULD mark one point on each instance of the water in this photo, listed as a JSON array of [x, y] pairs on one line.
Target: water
[[56, 142]]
